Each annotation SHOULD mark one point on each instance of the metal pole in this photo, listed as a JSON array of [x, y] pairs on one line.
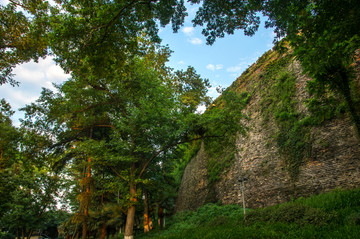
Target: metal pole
[[243, 197]]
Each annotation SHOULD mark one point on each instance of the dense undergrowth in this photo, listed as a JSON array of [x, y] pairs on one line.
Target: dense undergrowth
[[332, 215]]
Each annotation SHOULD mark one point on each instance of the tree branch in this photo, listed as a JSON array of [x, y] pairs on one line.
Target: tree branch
[[92, 106], [104, 88], [105, 126], [7, 46], [134, 2], [106, 26], [119, 175], [20, 5], [173, 145]]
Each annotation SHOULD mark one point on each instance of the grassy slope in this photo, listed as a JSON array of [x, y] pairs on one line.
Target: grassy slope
[[331, 215]]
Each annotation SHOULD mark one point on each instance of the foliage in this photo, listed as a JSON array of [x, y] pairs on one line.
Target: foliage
[[119, 132], [90, 36], [323, 104], [329, 215], [223, 120], [225, 17], [280, 105], [22, 35], [183, 154], [27, 187]]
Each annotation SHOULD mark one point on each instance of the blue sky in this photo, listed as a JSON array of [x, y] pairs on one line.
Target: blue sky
[[221, 63]]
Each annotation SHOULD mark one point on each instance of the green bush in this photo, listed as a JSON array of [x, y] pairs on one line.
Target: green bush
[[290, 213], [332, 215], [6, 235]]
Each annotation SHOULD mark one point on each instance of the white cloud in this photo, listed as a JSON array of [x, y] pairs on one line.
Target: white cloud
[[214, 67], [55, 74], [195, 41], [181, 63], [188, 31], [32, 77], [23, 98], [4, 2], [40, 73], [210, 67], [212, 92], [219, 67], [201, 109], [27, 74]]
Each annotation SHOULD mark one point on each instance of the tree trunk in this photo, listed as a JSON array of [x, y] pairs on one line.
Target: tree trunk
[[353, 114], [84, 230], [86, 206], [87, 198], [130, 217], [30, 233], [103, 231], [346, 92], [161, 217], [103, 226], [147, 219]]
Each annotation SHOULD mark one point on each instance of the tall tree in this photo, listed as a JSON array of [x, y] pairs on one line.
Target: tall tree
[[28, 186], [136, 115]]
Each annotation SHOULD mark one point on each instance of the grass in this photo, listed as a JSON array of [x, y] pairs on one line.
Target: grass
[[332, 215]]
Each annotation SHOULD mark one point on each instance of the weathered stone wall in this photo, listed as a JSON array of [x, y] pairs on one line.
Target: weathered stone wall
[[194, 184], [333, 162]]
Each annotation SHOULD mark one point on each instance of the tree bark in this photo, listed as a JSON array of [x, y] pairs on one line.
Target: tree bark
[[103, 226], [103, 231], [147, 219], [86, 208], [346, 92], [130, 217], [30, 233], [84, 230], [353, 114], [161, 217]]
